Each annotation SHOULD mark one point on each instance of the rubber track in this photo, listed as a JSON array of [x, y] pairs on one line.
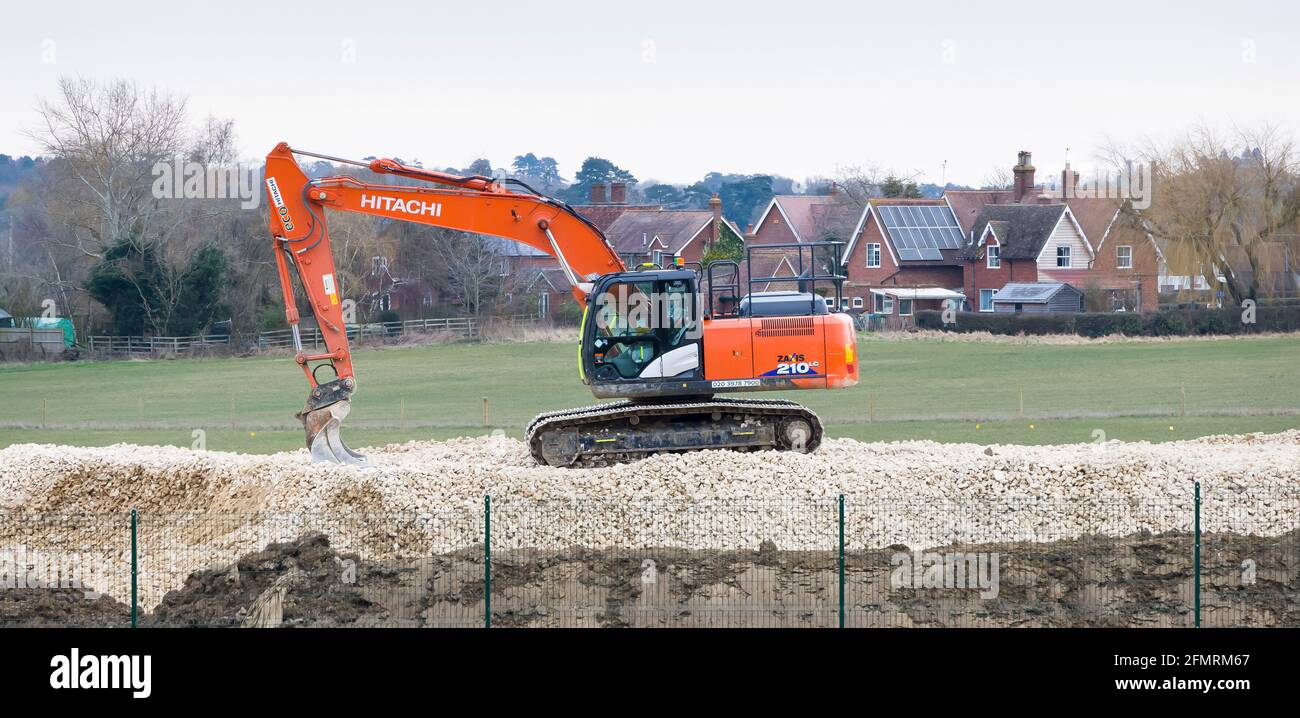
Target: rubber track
[[566, 418]]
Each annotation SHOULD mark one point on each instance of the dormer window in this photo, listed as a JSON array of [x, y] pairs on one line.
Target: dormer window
[[1063, 257], [994, 256]]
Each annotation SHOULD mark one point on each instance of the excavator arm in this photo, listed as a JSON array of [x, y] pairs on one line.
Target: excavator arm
[[481, 205]]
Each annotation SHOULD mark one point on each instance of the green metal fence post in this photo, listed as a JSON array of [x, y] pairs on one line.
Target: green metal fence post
[[841, 560], [135, 565], [487, 561], [1196, 557]]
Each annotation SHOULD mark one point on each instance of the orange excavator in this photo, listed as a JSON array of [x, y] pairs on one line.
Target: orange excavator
[[662, 341]]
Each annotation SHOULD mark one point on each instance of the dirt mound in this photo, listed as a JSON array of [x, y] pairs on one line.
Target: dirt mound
[[60, 607], [312, 584]]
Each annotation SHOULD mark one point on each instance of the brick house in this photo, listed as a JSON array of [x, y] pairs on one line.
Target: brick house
[[903, 256], [389, 292], [798, 218], [1028, 234], [1020, 243]]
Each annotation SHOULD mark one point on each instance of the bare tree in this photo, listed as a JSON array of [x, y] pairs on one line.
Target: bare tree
[[475, 268], [860, 183], [998, 178], [1218, 206], [108, 139]]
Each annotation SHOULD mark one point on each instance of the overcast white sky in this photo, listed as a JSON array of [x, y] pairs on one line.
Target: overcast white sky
[[671, 90]]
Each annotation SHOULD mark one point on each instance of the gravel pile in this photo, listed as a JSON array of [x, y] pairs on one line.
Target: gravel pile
[[200, 509]]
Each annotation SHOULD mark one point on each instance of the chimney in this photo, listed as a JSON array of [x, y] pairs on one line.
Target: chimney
[[598, 193], [618, 193], [715, 204], [1024, 174], [835, 188], [1069, 181], [749, 231]]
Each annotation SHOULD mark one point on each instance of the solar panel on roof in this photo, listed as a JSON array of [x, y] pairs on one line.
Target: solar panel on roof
[[921, 229]]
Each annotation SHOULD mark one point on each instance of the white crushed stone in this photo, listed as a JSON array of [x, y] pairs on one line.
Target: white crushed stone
[[204, 508]]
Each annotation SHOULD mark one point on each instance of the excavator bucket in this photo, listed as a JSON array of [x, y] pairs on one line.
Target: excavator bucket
[[322, 417], [323, 440]]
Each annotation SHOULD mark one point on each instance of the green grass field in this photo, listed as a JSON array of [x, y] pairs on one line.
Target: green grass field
[[911, 389]]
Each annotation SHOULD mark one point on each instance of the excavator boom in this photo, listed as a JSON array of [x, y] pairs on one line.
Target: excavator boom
[[473, 204]]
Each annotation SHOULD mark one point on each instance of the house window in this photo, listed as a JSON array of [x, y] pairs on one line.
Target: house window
[[657, 257], [905, 307], [994, 256], [1063, 256], [1124, 257], [884, 304], [873, 256], [857, 302], [986, 299], [543, 305], [844, 303]]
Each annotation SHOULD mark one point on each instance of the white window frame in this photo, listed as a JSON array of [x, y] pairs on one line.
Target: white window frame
[[844, 303], [992, 293], [993, 257], [1069, 256], [1123, 261], [873, 247], [909, 303], [830, 303], [857, 302], [884, 304], [657, 257]]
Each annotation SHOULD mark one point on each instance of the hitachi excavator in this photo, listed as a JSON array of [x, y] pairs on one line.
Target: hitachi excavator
[[662, 341]]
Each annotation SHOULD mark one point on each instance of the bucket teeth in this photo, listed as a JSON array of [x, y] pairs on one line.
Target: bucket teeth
[[323, 439]]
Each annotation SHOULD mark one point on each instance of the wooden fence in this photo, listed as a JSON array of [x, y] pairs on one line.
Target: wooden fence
[[22, 341], [151, 346], [105, 346], [461, 326]]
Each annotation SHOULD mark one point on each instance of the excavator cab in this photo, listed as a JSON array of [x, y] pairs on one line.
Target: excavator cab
[[641, 333]]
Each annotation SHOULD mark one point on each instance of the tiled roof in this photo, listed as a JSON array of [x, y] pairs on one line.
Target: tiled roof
[[635, 230], [1094, 215], [603, 215], [967, 203], [816, 218], [1027, 228]]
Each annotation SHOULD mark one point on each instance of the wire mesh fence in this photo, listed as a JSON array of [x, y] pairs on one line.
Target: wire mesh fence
[[1019, 561], [1249, 572], [1225, 557], [65, 570], [331, 570], [583, 563]]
